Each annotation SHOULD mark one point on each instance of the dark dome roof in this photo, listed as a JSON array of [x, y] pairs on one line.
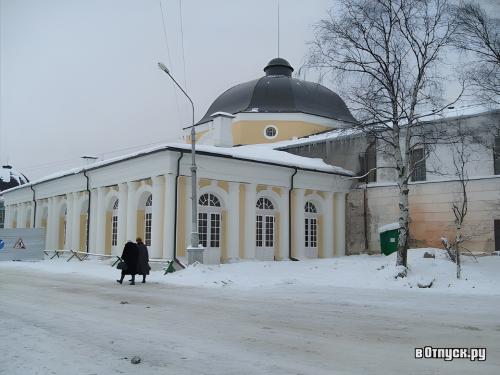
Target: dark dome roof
[[9, 178], [278, 92]]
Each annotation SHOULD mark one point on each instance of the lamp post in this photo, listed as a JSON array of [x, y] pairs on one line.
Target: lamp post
[[194, 205]]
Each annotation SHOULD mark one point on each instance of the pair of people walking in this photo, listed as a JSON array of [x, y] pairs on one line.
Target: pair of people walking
[[136, 259]]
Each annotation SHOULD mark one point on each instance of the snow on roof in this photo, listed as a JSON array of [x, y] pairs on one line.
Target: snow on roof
[[260, 153], [448, 113], [325, 136]]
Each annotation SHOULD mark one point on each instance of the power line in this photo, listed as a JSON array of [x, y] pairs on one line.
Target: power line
[[182, 44], [163, 16]]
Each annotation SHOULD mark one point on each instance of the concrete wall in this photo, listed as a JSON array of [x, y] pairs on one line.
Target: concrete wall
[[430, 213]]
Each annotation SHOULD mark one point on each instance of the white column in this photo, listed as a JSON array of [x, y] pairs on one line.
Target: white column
[[52, 225], [250, 213], [156, 249], [48, 225], [169, 217], [101, 221], [20, 216], [122, 217], [234, 222], [68, 241], [328, 246], [93, 221], [131, 211], [37, 215], [340, 224], [75, 223], [8, 213], [187, 212], [284, 224], [299, 231]]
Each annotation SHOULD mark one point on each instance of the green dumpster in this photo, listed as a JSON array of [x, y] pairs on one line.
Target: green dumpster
[[389, 235]]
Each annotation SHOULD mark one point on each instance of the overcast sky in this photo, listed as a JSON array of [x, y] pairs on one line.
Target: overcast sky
[[81, 78]]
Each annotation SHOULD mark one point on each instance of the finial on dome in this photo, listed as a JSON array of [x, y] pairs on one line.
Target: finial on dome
[[278, 67]]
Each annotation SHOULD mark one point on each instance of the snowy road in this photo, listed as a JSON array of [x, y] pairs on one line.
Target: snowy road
[[68, 324]]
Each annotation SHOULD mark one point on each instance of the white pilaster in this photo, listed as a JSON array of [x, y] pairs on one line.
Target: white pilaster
[[340, 223], [169, 217], [75, 223], [328, 237], [250, 217], [52, 228], [7, 218], [234, 222], [38, 214], [156, 249], [93, 221], [284, 225], [187, 212], [122, 217], [101, 221], [131, 211], [68, 241], [298, 225], [20, 216]]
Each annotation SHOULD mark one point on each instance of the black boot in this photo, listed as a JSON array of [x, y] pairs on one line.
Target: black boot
[[121, 280], [143, 279], [132, 282]]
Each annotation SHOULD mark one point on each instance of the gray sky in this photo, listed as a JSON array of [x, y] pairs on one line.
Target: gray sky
[[80, 77]]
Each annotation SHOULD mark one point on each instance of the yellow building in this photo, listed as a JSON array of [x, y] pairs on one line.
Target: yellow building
[[254, 201]]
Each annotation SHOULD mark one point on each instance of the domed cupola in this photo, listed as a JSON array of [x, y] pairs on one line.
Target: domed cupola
[[278, 92], [10, 177], [278, 67]]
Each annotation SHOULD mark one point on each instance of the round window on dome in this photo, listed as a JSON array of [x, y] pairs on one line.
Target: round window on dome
[[270, 131]]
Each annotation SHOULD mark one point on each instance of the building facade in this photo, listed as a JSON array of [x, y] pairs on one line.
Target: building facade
[[434, 184], [254, 202]]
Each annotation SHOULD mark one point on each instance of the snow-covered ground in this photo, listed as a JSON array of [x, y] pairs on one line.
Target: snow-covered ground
[[337, 316], [479, 275]]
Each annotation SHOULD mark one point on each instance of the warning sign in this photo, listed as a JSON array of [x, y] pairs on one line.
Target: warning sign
[[19, 244]]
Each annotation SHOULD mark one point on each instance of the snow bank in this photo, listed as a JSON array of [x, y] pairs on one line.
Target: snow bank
[[357, 271]]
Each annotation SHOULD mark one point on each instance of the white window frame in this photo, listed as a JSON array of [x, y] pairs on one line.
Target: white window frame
[[265, 223], [210, 220], [114, 224], [310, 225], [270, 127], [148, 220]]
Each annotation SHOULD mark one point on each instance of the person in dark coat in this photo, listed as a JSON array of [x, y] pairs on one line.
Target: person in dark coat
[[142, 259], [129, 256]]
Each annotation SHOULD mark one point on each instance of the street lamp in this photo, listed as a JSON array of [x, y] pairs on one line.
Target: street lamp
[[194, 205]]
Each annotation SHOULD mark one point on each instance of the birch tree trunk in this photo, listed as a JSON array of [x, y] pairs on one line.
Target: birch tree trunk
[[404, 231]]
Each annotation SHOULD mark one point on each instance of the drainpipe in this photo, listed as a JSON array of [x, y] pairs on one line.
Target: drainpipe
[[34, 206], [88, 209], [175, 211], [290, 217]]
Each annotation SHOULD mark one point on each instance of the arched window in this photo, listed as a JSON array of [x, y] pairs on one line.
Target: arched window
[[264, 225], [114, 224], [209, 220], [148, 219], [311, 225]]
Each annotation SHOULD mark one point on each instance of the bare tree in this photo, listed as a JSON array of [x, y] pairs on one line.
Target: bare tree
[[478, 34], [388, 51], [461, 158]]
